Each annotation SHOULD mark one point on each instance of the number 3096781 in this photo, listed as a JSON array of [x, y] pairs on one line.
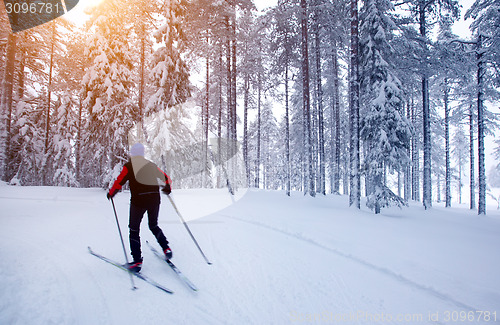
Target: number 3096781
[[33, 8]]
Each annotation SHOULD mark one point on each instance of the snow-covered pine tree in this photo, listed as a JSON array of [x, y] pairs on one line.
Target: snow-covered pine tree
[[298, 167], [250, 61], [169, 72], [172, 144], [64, 132], [384, 128], [108, 84], [31, 60], [438, 147], [28, 143], [460, 154], [69, 78], [270, 137], [170, 77]]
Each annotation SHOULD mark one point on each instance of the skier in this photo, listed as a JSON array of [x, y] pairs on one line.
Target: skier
[[144, 178]]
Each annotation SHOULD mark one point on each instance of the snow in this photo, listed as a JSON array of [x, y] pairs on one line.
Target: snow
[[276, 260]]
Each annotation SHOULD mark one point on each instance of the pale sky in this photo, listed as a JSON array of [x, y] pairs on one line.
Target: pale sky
[[461, 27]]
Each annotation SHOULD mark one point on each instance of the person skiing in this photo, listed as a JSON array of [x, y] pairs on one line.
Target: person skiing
[[144, 179]]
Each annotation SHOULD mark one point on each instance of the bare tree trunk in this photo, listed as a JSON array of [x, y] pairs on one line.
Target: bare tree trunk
[[480, 128], [257, 165], [319, 98], [306, 98], [287, 118], [427, 180], [447, 141], [205, 120], [78, 142], [415, 158], [336, 85], [407, 173], [472, 174], [47, 113], [355, 182], [245, 125], [8, 88], [219, 120]]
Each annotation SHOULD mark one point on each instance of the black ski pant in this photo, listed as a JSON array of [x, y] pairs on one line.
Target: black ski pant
[[136, 214]]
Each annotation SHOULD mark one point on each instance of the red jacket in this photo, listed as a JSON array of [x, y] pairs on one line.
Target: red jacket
[[144, 178]]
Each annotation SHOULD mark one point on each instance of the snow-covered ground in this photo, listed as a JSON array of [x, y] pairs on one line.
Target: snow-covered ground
[[276, 260]]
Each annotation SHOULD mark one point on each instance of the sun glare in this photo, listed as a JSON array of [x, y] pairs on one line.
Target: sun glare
[[77, 14]]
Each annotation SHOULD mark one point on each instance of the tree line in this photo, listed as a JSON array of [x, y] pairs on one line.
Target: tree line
[[345, 97]]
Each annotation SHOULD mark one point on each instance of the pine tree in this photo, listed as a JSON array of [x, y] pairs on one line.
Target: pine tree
[[169, 71], [384, 128], [108, 83], [460, 154], [64, 132]]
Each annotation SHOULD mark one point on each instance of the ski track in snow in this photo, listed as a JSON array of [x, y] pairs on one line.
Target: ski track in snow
[[263, 272], [386, 271]]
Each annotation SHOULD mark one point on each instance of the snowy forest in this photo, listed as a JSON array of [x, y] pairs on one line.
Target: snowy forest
[[370, 98]]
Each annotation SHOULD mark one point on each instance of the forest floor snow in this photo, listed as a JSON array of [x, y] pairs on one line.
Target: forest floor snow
[[276, 260]]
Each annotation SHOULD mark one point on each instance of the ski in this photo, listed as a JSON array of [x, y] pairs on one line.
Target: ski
[[137, 274], [174, 268]]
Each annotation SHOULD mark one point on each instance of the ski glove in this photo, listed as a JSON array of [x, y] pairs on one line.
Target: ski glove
[[109, 196], [167, 189]]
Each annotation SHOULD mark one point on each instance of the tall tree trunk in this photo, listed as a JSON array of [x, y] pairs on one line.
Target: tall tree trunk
[[47, 113], [319, 98], [234, 136], [438, 189], [480, 128], [287, 118], [141, 73], [407, 175], [78, 142], [306, 98], [7, 98], [447, 141], [233, 81], [415, 158], [205, 120], [460, 179], [336, 93], [229, 90], [472, 170], [427, 180], [219, 116], [355, 182], [257, 165], [245, 124], [20, 76]]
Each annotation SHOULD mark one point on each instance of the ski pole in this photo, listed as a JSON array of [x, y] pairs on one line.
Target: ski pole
[[123, 244], [189, 231]]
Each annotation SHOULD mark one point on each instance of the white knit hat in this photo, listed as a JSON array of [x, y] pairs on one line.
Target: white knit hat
[[137, 150]]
